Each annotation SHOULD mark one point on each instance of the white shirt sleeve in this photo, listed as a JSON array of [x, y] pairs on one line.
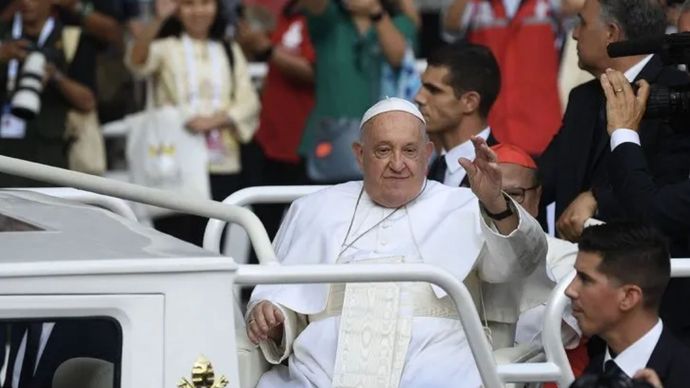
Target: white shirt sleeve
[[294, 323], [624, 135]]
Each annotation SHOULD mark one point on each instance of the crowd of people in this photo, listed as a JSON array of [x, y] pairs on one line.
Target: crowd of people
[[453, 166]]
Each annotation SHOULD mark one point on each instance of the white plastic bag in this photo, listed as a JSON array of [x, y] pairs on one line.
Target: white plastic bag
[[163, 154]]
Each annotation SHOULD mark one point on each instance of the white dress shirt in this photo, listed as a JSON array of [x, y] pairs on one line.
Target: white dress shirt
[[454, 171], [636, 356], [625, 135]]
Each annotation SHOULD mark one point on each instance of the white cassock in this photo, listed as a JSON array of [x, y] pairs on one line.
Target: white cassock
[[411, 337]]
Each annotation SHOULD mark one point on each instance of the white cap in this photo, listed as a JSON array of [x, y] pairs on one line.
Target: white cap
[[390, 104]]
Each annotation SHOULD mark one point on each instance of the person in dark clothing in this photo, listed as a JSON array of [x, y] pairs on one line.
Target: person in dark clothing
[[42, 138], [623, 269], [574, 167]]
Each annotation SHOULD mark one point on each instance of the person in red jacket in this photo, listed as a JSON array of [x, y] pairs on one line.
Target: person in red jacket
[[522, 37], [287, 99]]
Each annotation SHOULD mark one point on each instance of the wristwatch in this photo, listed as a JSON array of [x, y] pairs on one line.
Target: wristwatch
[[502, 215]]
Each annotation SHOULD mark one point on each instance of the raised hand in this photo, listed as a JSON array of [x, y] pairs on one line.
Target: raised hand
[[166, 8], [624, 107], [485, 176]]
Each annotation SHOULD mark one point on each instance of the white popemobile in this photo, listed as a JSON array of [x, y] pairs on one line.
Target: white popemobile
[[64, 256]]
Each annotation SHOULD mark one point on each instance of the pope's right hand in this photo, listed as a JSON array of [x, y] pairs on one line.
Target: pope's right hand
[[265, 321]]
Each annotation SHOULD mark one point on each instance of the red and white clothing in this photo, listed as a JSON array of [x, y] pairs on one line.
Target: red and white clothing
[[286, 102], [522, 37]]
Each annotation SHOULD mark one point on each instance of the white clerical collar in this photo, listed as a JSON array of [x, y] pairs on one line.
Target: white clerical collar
[[634, 71], [464, 150], [636, 356]]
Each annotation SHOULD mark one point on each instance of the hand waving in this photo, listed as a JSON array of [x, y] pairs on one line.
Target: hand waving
[[166, 8], [485, 176]]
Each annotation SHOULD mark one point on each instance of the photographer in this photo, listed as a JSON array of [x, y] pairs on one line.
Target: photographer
[[40, 139]]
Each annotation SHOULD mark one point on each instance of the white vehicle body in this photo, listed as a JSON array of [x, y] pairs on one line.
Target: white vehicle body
[[173, 301]]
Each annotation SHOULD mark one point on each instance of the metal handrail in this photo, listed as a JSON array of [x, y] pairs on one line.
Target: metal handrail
[[250, 196], [551, 370], [161, 198], [365, 273], [551, 334]]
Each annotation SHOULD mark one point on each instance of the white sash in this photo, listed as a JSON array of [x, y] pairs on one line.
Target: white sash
[[375, 332]]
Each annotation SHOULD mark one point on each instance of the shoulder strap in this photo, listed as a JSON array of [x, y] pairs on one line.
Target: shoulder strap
[[70, 42]]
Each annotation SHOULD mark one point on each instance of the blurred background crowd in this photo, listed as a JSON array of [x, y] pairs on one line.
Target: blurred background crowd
[[260, 79]]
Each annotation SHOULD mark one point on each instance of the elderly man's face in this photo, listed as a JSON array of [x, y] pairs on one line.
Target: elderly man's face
[[592, 36], [521, 184], [393, 156]]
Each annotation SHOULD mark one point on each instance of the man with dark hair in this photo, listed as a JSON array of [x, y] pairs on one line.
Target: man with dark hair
[[459, 87], [622, 271], [574, 166]]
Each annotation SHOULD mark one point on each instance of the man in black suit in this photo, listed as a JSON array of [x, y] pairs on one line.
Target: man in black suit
[[644, 198], [459, 86], [622, 271], [574, 165], [665, 206]]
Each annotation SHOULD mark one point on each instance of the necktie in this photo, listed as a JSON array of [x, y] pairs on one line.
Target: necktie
[[614, 373], [437, 170], [33, 341]]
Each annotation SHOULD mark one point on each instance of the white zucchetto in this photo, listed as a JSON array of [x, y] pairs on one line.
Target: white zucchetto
[[391, 104]]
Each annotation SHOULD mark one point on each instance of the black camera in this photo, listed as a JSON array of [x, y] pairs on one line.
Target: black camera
[[673, 49]]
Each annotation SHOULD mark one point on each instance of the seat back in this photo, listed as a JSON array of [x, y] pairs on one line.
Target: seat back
[[237, 241], [84, 372]]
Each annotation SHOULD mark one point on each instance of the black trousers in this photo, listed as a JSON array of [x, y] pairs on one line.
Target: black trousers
[[264, 171]]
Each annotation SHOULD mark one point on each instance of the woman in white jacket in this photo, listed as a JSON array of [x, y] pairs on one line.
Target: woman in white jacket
[[206, 77]]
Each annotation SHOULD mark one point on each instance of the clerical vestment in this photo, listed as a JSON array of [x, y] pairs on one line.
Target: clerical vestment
[[443, 226]]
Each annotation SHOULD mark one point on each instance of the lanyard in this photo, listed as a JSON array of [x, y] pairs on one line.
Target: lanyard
[[13, 66], [193, 81]]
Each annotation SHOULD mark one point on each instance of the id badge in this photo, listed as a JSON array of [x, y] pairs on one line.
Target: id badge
[[11, 126], [215, 147]]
